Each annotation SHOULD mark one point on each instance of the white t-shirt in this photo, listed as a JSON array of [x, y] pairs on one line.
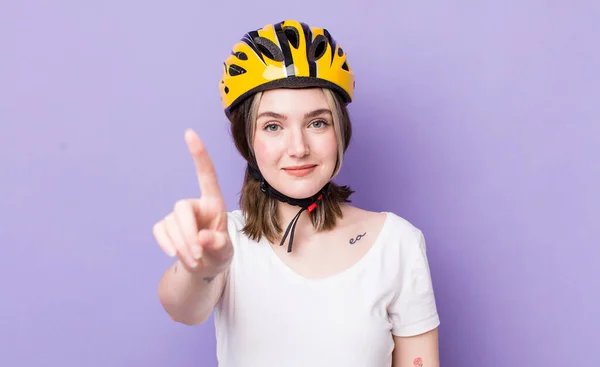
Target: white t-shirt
[[270, 316]]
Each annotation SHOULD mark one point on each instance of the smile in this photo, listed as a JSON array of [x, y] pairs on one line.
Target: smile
[[300, 171]]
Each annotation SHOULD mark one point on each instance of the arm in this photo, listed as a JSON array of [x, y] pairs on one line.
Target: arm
[[414, 311], [416, 351], [196, 231], [187, 297]]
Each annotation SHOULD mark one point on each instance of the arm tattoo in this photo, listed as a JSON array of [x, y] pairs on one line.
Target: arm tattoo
[[418, 362], [206, 279], [354, 240]]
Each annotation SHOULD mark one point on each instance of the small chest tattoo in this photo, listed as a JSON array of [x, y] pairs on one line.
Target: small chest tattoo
[[354, 240]]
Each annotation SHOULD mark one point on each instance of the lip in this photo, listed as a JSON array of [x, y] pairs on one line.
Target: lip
[[299, 171], [305, 166]]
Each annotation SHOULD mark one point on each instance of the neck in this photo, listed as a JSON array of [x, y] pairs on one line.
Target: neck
[[287, 212], [295, 216]]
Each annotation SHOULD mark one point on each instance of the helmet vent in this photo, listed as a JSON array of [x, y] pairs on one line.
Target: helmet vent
[[292, 35], [241, 55], [268, 48], [235, 70], [317, 48]]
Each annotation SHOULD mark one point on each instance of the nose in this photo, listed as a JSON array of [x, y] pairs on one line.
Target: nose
[[297, 144]]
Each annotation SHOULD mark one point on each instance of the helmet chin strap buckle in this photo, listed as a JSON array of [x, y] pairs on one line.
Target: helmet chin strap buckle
[[263, 186]]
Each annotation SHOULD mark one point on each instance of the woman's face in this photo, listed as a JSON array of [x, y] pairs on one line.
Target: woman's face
[[294, 141]]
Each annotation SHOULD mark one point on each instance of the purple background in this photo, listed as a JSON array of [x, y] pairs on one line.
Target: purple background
[[477, 121]]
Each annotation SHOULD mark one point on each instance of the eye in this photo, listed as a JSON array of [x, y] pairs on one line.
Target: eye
[[271, 127], [319, 124]]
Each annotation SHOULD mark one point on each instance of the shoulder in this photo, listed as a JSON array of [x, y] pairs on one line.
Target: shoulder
[[394, 227], [397, 236], [404, 237], [401, 243], [403, 230], [236, 222], [236, 218]]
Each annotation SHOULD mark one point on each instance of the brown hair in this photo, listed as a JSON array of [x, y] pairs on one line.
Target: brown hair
[[259, 209]]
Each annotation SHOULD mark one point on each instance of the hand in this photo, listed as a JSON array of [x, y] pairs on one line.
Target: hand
[[196, 230]]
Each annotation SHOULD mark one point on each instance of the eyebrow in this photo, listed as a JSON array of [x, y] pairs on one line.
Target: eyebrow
[[315, 113]]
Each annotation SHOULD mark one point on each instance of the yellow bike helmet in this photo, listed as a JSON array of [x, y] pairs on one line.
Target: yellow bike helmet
[[289, 54]]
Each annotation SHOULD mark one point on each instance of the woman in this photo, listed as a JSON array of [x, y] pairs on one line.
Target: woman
[[297, 276]]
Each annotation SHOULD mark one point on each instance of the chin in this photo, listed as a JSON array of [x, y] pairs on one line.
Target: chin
[[299, 193], [300, 188]]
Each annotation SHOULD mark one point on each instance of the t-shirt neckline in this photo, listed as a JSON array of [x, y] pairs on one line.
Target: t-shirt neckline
[[334, 278]]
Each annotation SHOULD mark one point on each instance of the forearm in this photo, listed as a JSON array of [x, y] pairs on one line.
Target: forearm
[[189, 297]]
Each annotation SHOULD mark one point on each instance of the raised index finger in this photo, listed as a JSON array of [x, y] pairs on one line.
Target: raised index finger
[[207, 177]]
